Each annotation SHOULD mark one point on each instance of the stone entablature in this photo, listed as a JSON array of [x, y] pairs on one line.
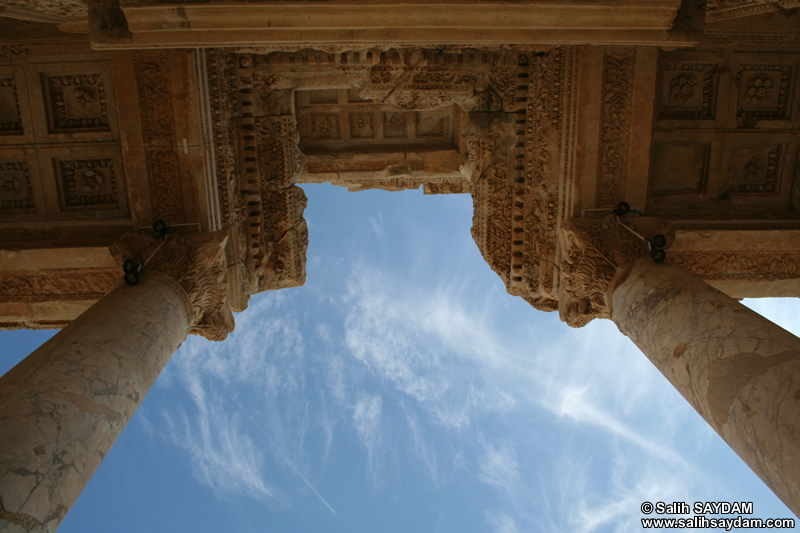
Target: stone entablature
[[361, 24]]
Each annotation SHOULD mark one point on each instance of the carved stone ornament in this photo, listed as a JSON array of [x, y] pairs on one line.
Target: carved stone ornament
[[616, 108], [727, 9], [593, 253], [421, 88], [197, 263], [157, 116], [31, 286], [739, 265], [487, 169], [53, 11]]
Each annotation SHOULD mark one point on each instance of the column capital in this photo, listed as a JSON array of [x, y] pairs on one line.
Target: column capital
[[197, 263], [595, 254]]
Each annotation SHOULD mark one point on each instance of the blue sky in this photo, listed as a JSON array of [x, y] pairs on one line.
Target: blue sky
[[403, 390]]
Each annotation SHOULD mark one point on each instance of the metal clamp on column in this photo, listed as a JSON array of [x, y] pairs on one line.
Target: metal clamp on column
[[133, 269], [655, 244]]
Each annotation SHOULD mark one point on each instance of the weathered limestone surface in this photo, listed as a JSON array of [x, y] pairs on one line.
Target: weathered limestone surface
[[740, 371], [62, 408]]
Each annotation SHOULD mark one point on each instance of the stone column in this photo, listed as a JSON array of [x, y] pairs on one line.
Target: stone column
[[62, 408], [740, 371]]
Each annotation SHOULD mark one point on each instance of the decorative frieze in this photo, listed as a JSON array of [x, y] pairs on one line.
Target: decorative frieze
[[616, 109], [14, 51], [712, 265], [279, 157], [492, 195], [46, 285], [157, 117], [727, 9]]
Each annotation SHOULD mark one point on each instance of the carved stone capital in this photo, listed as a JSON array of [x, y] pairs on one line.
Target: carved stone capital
[[196, 263], [594, 253]]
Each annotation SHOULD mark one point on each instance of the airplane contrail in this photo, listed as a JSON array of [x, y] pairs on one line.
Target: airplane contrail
[[301, 476], [291, 464]]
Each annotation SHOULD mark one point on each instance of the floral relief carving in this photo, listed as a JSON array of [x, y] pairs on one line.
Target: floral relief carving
[[741, 265], [362, 125], [88, 182], [16, 188], [683, 87], [47, 285], [325, 126], [14, 51], [504, 80], [593, 253], [760, 172], [688, 90], [764, 91], [197, 263], [759, 89], [157, 117], [77, 102], [615, 125], [394, 124]]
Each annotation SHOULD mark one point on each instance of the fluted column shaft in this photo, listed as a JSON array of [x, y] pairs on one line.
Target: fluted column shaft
[[740, 371]]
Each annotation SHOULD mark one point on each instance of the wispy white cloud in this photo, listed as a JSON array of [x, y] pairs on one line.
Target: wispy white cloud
[[501, 523], [223, 456], [262, 363], [367, 413], [498, 467], [422, 448], [377, 225], [445, 353]]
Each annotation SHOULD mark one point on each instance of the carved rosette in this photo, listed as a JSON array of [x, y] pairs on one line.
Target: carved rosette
[[594, 253], [197, 263]]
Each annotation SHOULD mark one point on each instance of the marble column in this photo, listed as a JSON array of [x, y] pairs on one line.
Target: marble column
[[62, 408], [740, 371]]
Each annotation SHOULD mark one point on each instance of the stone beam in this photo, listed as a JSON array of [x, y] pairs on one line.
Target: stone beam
[[419, 23]]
